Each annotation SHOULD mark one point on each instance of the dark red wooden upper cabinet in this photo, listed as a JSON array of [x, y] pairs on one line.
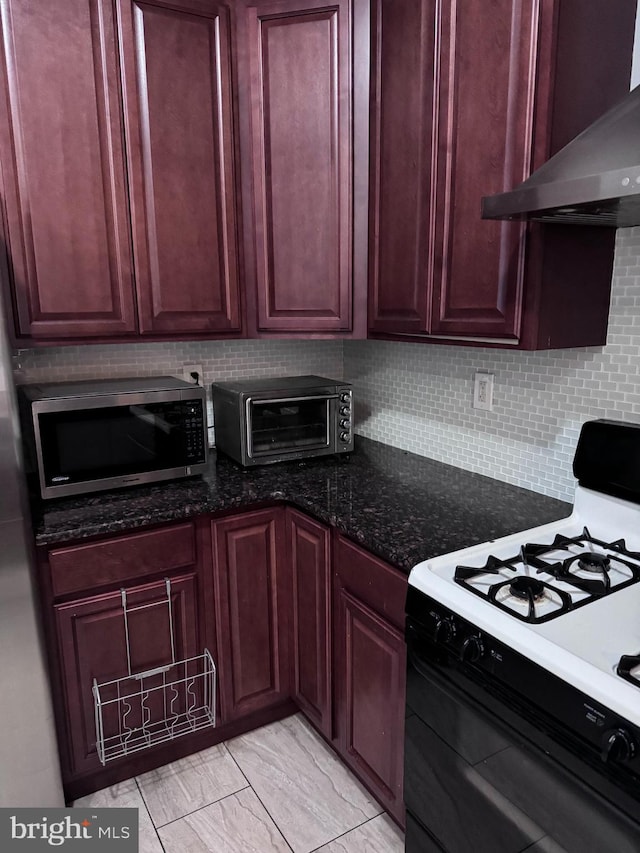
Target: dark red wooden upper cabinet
[[403, 84], [297, 99], [467, 99], [486, 72], [63, 173], [178, 102]]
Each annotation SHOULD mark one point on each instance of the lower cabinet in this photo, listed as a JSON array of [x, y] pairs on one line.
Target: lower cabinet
[[253, 606], [309, 544], [289, 609], [369, 671], [93, 645], [93, 641]]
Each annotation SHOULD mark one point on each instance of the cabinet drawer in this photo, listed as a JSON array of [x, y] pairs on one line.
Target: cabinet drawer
[[118, 560], [380, 586]]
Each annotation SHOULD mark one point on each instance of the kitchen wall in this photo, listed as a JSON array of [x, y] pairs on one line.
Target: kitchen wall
[[418, 397], [220, 360]]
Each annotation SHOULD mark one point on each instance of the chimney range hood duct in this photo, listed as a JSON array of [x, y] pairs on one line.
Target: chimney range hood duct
[[594, 180]]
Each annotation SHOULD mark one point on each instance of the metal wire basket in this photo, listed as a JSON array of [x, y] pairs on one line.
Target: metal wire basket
[[146, 708]]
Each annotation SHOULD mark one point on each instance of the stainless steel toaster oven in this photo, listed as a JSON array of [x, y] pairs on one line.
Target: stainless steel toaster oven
[[264, 420]]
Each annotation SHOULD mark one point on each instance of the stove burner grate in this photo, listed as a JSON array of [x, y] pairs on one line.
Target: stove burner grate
[[534, 594], [596, 565]]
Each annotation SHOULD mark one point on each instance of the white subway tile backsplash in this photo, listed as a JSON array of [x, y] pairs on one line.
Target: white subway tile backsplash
[[418, 396], [220, 360]]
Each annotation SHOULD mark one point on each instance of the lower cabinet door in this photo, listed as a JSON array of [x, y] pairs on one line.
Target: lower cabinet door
[[93, 644], [370, 672], [253, 605], [310, 548]]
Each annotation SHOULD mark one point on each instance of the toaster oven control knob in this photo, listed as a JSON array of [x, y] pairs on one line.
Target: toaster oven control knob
[[345, 424], [345, 437], [345, 397], [445, 629], [472, 649], [618, 745], [345, 410]]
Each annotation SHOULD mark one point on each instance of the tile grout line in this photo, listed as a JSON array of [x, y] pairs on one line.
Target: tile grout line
[[346, 832], [146, 807], [351, 829], [284, 838], [205, 806]]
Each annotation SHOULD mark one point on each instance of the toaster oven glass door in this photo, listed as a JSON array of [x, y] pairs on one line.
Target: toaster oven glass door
[[93, 444], [288, 424]]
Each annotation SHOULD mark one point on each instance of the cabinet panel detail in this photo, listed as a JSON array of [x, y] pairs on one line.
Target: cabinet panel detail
[[311, 554], [372, 674], [178, 102], [252, 623], [64, 179], [300, 58], [118, 560], [485, 138], [402, 130], [92, 645]]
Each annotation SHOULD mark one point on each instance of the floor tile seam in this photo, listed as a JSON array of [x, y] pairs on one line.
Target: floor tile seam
[[324, 773], [200, 808], [233, 758], [146, 807], [346, 832], [271, 817]]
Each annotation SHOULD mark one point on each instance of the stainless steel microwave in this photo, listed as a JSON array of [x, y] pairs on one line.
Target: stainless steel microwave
[[271, 420], [103, 434]]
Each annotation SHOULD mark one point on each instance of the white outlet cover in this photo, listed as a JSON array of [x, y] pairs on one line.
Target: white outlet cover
[[483, 391]]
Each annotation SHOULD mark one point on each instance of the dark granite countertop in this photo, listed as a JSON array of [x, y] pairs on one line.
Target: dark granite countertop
[[403, 507]]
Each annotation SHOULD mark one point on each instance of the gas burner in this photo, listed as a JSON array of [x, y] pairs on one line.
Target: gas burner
[[592, 562], [529, 599], [527, 588], [547, 580]]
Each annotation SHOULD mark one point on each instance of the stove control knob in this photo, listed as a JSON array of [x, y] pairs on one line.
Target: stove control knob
[[445, 629], [472, 649], [618, 745]]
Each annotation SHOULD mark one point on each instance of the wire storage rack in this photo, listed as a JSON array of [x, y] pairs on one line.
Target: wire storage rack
[[146, 708]]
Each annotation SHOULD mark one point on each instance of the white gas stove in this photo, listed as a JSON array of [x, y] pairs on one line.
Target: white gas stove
[[523, 676], [566, 595]]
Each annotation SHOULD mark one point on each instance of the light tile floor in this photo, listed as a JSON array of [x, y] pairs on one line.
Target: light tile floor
[[279, 788]]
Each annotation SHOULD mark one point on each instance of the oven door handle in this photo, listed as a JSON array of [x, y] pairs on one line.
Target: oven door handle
[[269, 400]]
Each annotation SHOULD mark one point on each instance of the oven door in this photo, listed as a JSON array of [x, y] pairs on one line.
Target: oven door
[[290, 427], [483, 776]]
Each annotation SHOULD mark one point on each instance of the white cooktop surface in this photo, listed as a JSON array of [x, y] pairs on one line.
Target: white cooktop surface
[[582, 647]]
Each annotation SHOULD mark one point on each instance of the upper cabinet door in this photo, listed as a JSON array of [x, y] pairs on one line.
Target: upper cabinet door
[[402, 127], [467, 98], [179, 126], [63, 176], [452, 110], [486, 69], [298, 73]]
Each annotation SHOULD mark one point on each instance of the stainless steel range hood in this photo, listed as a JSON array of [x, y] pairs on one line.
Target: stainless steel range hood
[[594, 180]]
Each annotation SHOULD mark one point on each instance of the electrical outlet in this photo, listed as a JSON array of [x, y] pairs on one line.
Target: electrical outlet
[[188, 369], [483, 391]]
